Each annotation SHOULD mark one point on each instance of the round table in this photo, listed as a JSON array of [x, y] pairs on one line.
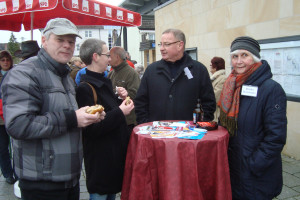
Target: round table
[[172, 168]]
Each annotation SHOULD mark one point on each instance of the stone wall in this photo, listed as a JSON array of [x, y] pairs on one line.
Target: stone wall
[[211, 26]]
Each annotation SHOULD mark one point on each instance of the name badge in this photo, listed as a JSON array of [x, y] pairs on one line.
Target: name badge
[[188, 73], [249, 90]]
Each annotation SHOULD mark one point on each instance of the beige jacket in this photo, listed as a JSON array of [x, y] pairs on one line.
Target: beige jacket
[[218, 79]]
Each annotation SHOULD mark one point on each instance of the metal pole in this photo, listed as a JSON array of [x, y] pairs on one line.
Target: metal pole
[[125, 38], [31, 24]]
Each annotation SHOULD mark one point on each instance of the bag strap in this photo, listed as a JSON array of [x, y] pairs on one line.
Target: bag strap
[[94, 92]]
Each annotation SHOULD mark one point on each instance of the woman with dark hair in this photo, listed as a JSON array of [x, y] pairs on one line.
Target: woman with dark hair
[[253, 109], [6, 63], [217, 68]]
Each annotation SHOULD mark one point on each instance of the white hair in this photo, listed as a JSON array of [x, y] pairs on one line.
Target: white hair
[[255, 58]]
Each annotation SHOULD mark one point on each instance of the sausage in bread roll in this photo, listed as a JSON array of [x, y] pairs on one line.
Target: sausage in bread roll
[[94, 109]]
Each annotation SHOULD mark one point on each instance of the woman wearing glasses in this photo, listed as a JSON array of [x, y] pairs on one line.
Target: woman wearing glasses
[[104, 143]]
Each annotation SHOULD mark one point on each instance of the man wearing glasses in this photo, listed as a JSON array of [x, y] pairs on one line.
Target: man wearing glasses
[[170, 87]]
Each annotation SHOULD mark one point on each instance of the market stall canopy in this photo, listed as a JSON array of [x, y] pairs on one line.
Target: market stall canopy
[[34, 14]]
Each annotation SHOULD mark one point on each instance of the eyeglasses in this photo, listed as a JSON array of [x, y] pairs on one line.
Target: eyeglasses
[[166, 44], [103, 54]]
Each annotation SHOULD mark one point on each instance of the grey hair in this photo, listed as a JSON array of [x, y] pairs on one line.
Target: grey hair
[[47, 34], [178, 34], [88, 48], [139, 67], [255, 58]]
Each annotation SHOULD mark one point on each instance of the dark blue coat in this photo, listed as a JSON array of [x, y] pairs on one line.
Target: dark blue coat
[[161, 97], [254, 151]]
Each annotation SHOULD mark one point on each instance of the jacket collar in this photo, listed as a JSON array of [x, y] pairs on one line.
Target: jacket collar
[[56, 67], [185, 61], [217, 74], [94, 78], [120, 66], [260, 75]]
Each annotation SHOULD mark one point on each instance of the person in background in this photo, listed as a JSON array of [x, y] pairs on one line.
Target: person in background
[[104, 143], [83, 65], [75, 61], [6, 63], [75, 65], [124, 76], [42, 117], [28, 49], [139, 68], [253, 109], [171, 87], [128, 59], [217, 69]]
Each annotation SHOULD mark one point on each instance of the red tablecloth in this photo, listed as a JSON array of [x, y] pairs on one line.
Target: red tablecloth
[[177, 169]]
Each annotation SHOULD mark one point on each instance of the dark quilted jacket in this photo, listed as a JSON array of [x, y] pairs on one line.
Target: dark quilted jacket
[[255, 151]]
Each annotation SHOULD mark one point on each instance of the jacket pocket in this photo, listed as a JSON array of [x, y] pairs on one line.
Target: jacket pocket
[[47, 156]]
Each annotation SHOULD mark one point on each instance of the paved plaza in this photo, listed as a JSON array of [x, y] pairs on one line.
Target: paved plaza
[[290, 191]]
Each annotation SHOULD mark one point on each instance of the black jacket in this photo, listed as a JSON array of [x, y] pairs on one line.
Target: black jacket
[[255, 150], [161, 97], [104, 143]]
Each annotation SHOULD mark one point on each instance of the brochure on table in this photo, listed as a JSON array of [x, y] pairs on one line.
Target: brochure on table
[[181, 129]]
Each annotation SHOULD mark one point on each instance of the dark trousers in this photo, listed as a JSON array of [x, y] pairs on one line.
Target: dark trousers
[[5, 162], [64, 194]]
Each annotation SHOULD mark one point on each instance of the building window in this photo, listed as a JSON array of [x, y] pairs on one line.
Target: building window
[[88, 34], [148, 36], [113, 35], [110, 42], [151, 36], [77, 47], [192, 52]]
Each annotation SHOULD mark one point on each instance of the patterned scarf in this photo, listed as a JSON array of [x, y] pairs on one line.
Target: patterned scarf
[[230, 98]]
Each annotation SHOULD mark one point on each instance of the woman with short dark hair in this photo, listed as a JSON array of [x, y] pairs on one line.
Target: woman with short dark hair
[[6, 63]]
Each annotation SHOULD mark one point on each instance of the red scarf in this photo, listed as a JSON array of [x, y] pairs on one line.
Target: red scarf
[[230, 97]]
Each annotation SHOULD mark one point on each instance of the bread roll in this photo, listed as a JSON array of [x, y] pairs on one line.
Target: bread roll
[[127, 100], [94, 109]]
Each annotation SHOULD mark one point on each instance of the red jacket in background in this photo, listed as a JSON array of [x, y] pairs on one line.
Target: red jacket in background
[[130, 63]]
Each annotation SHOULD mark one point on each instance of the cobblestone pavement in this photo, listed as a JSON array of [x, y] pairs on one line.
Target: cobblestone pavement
[[290, 190]]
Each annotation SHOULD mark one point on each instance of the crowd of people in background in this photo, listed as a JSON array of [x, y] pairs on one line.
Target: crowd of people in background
[[46, 95]]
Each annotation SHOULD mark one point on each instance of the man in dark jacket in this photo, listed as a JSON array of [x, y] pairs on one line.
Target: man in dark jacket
[[170, 87], [42, 117]]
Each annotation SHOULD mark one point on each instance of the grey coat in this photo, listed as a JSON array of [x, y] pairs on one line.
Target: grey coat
[[39, 103]]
